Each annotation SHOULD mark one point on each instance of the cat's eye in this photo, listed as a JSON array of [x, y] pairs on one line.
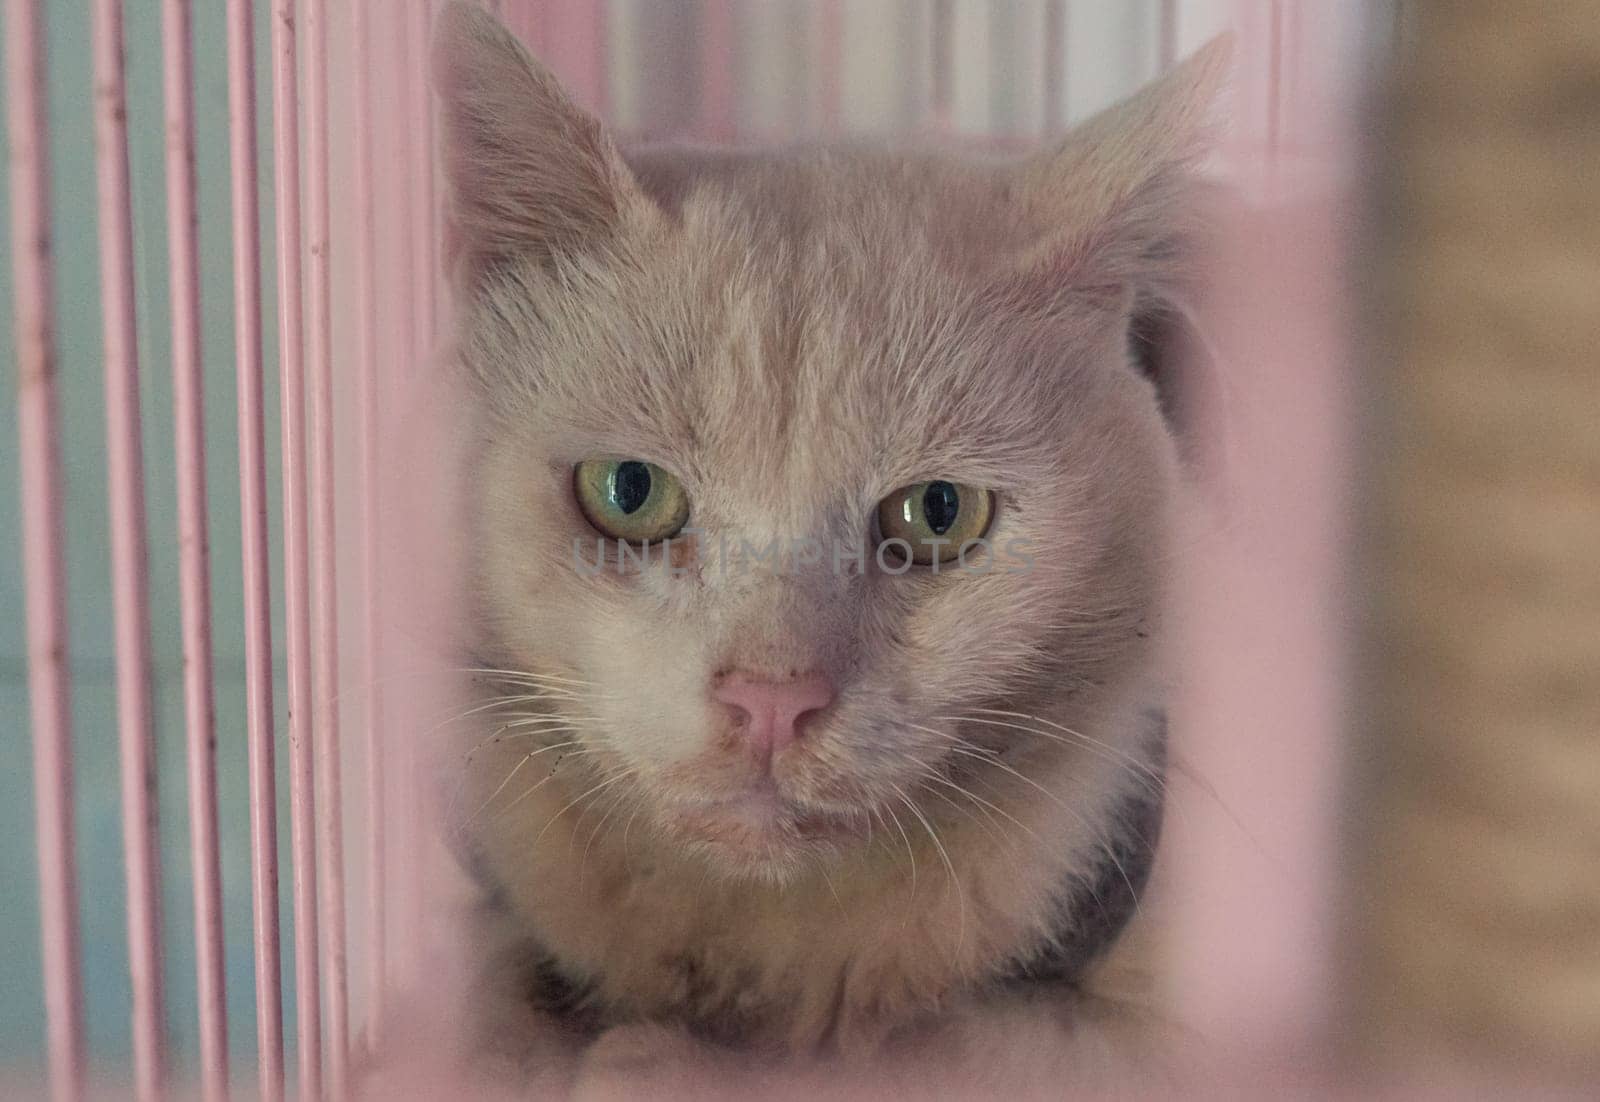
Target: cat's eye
[[935, 519], [630, 500]]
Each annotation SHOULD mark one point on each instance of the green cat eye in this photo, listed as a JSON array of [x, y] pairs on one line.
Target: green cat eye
[[936, 519], [630, 499]]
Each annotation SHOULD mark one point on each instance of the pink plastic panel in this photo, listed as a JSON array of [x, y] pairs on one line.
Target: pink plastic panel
[[1252, 858]]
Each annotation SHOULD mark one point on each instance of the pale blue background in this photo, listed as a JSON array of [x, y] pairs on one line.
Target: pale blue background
[[99, 844]]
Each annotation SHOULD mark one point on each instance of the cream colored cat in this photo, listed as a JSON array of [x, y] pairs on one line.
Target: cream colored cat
[[819, 506]]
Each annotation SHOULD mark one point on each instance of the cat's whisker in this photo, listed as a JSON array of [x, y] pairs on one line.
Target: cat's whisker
[[1042, 728], [623, 775], [583, 861], [556, 699], [524, 675], [822, 867], [949, 868], [578, 753], [478, 708], [1020, 825], [501, 734], [526, 758], [526, 794], [1147, 776], [1083, 739], [355, 684], [987, 824], [1151, 779], [531, 725], [1097, 835], [626, 828], [501, 787], [518, 720], [584, 814], [637, 804], [910, 853]]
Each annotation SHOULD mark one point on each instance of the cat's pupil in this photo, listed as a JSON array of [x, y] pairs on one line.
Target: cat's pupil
[[940, 505], [630, 486]]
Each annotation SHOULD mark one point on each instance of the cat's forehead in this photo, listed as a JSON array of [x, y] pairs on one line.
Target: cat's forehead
[[842, 211], [808, 324], [810, 361]]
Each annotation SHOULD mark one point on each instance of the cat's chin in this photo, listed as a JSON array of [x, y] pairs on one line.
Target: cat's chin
[[760, 834]]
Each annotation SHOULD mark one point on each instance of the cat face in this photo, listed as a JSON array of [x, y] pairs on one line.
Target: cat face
[[734, 415]]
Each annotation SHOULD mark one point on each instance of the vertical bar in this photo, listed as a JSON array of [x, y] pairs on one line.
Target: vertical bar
[[943, 54], [406, 59], [296, 555], [827, 31], [408, 295], [367, 403], [393, 123], [324, 591], [129, 572], [413, 289], [253, 531], [1055, 56], [1253, 947], [574, 36], [526, 20], [43, 543], [194, 556], [600, 55], [1274, 81], [415, 79], [1168, 31], [716, 44], [1291, 36]]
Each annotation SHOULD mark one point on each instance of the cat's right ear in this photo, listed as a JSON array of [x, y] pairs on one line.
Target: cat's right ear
[[530, 174]]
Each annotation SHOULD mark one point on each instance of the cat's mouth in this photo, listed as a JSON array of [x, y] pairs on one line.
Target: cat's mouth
[[761, 820]]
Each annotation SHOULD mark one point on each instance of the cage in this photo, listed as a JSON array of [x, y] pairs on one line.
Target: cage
[[248, 615]]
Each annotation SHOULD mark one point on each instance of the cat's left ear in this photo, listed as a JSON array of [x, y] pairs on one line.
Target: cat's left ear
[[1117, 201], [531, 176]]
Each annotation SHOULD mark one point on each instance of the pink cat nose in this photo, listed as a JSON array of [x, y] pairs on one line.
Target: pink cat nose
[[771, 711]]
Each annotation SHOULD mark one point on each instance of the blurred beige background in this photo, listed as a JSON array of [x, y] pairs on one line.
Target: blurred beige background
[[1477, 908]]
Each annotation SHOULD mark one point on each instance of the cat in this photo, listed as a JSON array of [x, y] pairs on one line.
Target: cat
[[819, 505]]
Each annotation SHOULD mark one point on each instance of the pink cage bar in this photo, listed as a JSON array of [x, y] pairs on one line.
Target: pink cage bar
[[1250, 942]]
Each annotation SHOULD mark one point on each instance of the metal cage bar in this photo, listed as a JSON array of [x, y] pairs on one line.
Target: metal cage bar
[[129, 561], [324, 587], [43, 543], [244, 174], [296, 554], [368, 429], [188, 391]]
